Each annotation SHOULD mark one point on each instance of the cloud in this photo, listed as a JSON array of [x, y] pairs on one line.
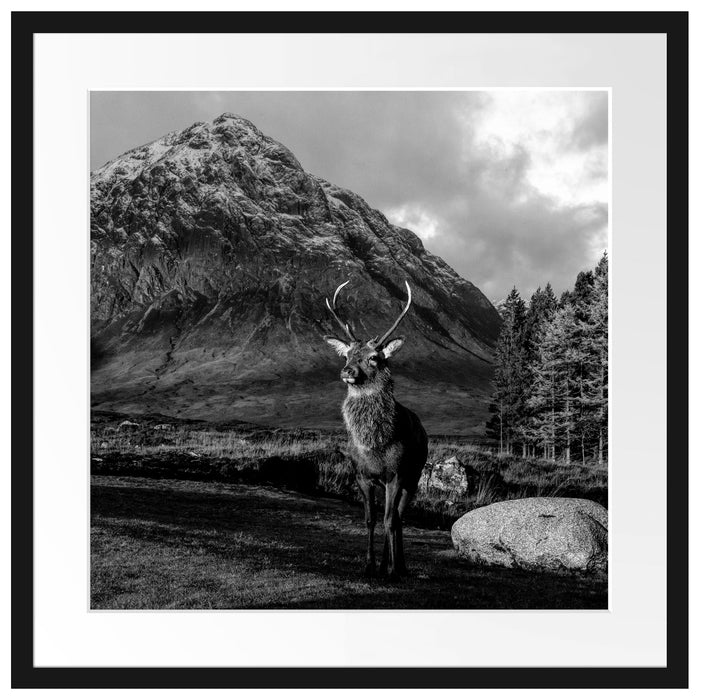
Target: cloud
[[415, 219], [509, 187], [592, 128]]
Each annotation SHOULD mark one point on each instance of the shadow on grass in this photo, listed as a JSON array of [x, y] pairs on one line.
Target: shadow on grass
[[182, 544]]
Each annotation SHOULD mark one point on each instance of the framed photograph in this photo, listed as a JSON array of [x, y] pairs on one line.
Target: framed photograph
[[349, 336]]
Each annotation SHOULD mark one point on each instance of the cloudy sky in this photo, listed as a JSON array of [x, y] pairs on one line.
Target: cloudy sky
[[509, 187]]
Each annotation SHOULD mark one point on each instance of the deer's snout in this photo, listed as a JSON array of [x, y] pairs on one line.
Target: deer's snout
[[349, 374]]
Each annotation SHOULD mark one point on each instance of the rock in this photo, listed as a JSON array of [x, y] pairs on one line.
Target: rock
[[552, 534], [128, 425], [212, 251], [448, 476]]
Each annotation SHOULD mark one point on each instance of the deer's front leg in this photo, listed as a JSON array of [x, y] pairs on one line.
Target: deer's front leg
[[368, 494], [393, 492]]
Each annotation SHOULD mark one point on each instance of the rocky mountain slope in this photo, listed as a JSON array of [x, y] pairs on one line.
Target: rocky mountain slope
[[212, 251]]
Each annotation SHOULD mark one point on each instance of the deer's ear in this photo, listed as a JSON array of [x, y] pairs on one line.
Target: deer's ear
[[338, 345], [393, 346]]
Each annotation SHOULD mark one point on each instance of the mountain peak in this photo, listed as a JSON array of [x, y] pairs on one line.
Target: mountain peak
[[230, 116]]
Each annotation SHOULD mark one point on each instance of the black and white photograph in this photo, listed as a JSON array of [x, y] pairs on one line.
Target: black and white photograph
[[349, 349]]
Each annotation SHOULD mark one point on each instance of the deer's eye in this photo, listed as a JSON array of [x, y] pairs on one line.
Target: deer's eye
[[373, 360]]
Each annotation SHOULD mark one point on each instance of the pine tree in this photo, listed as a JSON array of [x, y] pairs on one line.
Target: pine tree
[[552, 399], [542, 399], [594, 329], [494, 425], [572, 363], [542, 306], [510, 374], [582, 292]]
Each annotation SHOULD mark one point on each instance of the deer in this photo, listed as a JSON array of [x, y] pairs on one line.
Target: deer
[[387, 443]]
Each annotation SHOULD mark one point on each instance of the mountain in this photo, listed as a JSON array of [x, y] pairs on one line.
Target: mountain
[[212, 252]]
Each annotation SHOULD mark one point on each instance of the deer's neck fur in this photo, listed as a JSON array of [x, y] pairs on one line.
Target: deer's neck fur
[[369, 413]]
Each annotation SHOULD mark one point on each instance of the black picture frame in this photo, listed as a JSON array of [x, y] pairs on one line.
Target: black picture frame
[[25, 25]]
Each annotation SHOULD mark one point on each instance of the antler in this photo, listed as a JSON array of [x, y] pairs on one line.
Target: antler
[[400, 317], [344, 326]]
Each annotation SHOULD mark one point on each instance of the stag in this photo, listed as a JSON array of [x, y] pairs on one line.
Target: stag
[[387, 443]]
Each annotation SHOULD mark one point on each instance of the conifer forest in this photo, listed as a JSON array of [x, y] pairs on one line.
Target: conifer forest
[[550, 398]]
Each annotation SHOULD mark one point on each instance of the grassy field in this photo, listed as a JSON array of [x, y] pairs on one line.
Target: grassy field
[[193, 515], [314, 462], [194, 544]]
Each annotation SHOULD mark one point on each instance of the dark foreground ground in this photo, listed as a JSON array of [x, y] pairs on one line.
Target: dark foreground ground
[[167, 543]]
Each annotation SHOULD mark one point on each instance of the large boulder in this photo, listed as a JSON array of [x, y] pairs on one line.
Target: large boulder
[[553, 534]]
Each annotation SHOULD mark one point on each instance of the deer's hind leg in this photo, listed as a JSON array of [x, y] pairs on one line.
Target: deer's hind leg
[[405, 498], [368, 494]]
